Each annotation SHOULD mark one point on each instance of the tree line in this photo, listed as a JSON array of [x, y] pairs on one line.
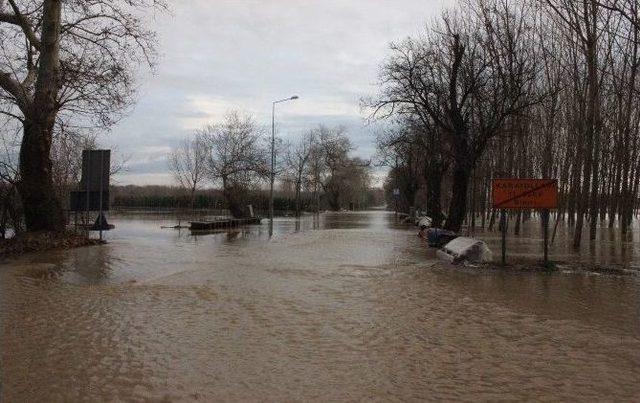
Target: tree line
[[234, 156], [514, 88], [172, 198]]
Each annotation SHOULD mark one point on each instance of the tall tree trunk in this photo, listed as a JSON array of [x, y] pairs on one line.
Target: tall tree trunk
[[433, 177], [593, 125], [42, 209], [583, 192], [591, 167], [236, 198], [316, 196], [333, 198], [298, 191], [460, 185]]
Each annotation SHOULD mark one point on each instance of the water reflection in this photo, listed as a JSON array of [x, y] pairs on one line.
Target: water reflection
[[349, 306], [610, 247]]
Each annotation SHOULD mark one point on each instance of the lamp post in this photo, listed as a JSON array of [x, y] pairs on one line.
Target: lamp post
[[273, 157]]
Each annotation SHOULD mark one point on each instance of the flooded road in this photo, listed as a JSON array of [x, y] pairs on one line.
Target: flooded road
[[347, 307]]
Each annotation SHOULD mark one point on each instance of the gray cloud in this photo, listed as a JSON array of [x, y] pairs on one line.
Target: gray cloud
[[229, 54]]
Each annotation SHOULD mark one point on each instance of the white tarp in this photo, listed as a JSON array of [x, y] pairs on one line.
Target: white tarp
[[423, 221], [466, 249]]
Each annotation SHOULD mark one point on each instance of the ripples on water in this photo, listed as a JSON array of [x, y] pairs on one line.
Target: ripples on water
[[347, 307]]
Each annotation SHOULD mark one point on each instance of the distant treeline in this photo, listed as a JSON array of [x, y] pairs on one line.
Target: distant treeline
[[166, 197]]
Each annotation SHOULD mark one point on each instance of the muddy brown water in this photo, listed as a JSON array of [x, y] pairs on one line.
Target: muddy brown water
[[349, 307]]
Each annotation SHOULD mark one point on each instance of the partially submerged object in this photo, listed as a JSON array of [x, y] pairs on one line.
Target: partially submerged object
[[226, 223], [101, 224], [466, 249], [423, 222], [437, 237]]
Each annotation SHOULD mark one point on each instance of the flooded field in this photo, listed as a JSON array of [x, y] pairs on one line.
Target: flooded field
[[349, 306]]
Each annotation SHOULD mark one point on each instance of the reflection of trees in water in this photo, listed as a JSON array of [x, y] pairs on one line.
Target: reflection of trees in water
[[612, 247], [94, 264]]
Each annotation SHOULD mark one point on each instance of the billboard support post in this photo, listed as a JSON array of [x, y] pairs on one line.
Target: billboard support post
[[93, 191], [88, 167], [101, 186], [503, 229], [524, 194], [545, 230]]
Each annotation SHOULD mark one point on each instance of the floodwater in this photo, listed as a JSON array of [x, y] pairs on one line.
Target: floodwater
[[346, 307]]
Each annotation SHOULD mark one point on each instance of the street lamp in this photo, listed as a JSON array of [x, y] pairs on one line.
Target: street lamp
[[273, 157]]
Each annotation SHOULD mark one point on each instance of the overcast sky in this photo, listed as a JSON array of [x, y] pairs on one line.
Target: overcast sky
[[221, 55]]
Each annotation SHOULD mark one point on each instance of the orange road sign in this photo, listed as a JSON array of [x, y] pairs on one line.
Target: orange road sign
[[525, 193]]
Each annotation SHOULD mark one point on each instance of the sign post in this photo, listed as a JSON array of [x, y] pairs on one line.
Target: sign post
[[503, 229], [101, 190], [93, 193], [520, 194]]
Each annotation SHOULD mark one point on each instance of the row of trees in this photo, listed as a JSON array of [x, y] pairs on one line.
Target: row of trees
[[210, 200], [234, 156], [514, 88]]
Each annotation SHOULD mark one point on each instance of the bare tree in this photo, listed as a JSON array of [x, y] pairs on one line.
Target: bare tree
[[66, 158], [236, 159], [414, 152], [339, 174], [336, 147], [10, 211], [627, 9], [71, 63], [188, 164], [298, 158], [467, 78], [582, 20], [544, 89], [315, 173]]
